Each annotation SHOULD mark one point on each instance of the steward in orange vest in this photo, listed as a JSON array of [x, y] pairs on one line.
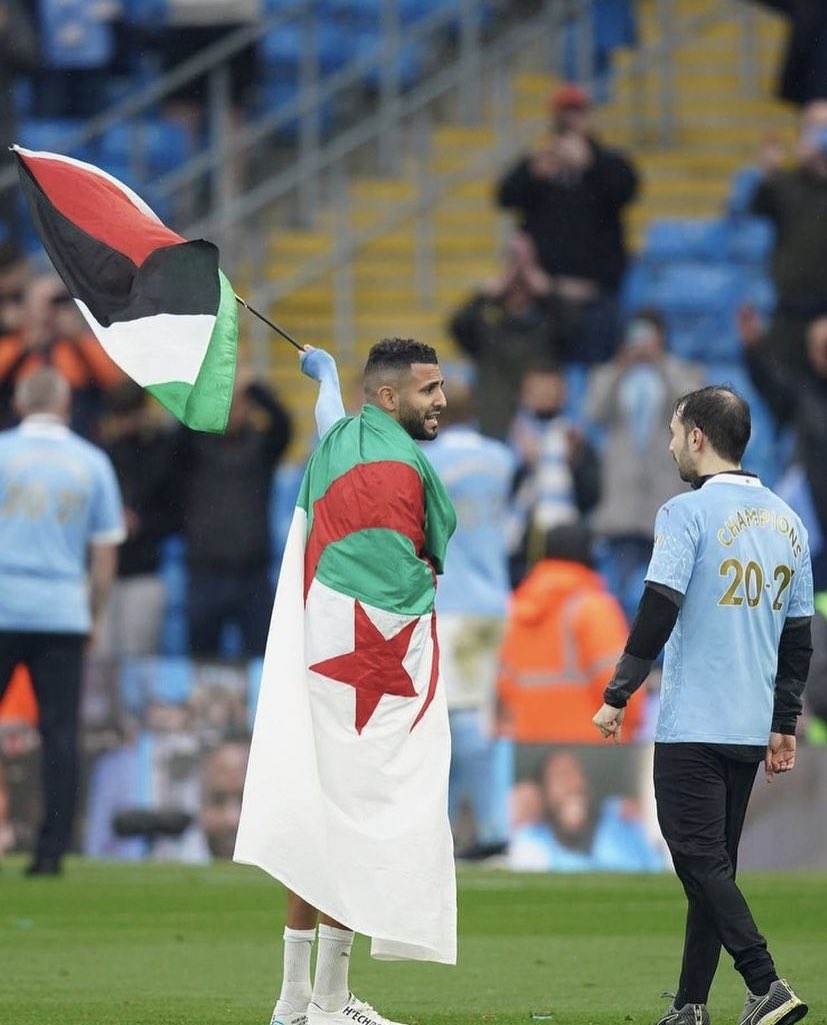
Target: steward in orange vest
[[564, 634]]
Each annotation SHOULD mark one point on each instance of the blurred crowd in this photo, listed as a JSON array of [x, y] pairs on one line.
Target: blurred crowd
[[554, 448]]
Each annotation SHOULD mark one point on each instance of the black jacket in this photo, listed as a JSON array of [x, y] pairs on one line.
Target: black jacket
[[145, 467], [575, 223], [225, 483]]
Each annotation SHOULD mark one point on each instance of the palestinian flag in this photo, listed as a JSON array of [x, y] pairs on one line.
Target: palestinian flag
[[346, 796], [159, 305]]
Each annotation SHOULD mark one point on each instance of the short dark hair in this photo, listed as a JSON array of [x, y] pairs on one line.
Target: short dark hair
[[651, 315], [722, 414], [570, 542], [398, 354]]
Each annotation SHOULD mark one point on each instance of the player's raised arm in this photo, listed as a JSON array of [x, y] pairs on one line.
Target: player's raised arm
[[321, 366]]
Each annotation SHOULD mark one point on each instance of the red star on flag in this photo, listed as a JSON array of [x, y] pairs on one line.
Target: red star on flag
[[374, 667]]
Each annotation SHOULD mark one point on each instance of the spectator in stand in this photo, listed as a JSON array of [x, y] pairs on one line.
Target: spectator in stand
[[506, 327], [78, 44], [18, 55], [226, 482], [14, 278], [558, 471], [804, 72], [564, 628], [795, 201], [797, 398], [142, 454], [471, 605], [569, 195], [630, 399], [52, 333]]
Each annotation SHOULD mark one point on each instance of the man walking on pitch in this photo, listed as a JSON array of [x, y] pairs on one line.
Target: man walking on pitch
[[346, 796], [729, 586]]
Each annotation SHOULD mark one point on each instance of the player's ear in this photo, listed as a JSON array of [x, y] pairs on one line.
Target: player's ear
[[387, 397]]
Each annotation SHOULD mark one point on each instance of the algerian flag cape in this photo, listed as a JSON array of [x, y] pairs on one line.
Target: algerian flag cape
[[159, 305], [346, 796]]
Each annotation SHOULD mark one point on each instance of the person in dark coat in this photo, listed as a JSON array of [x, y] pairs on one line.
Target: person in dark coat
[[569, 195]]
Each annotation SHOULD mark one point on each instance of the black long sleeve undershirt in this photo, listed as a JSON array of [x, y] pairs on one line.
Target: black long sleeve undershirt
[[654, 621]]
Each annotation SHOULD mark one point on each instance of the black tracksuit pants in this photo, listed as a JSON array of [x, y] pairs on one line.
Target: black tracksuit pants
[[702, 796], [55, 662]]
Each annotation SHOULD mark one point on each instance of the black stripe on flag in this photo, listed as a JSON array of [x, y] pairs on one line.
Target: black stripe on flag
[[177, 279]]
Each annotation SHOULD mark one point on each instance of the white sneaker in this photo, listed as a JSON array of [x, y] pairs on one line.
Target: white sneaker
[[284, 1014], [355, 1012]]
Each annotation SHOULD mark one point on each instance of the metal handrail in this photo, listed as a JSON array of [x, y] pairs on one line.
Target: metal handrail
[[302, 105], [204, 61], [485, 162]]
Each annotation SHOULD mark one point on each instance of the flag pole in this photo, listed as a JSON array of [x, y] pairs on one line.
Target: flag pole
[[269, 323]]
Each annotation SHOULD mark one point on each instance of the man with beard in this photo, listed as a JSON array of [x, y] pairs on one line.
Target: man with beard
[[730, 588], [579, 833], [346, 795]]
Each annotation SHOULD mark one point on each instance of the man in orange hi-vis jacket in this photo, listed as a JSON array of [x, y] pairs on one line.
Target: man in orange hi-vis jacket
[[564, 633]]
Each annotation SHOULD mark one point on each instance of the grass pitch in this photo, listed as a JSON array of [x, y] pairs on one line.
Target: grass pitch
[[172, 945]]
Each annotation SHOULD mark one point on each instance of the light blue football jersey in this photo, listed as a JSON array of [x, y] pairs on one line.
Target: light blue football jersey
[[477, 472], [740, 557], [58, 494]]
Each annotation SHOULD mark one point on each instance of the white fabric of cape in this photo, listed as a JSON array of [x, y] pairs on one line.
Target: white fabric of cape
[[357, 825]]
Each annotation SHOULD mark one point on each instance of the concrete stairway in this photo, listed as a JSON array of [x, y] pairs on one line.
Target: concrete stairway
[[717, 131]]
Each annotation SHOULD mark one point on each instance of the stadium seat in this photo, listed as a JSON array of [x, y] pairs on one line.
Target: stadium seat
[[742, 189], [700, 304], [51, 134], [749, 240], [685, 239], [759, 291], [145, 13], [152, 147]]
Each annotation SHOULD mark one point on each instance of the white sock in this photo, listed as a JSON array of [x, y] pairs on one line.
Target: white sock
[[331, 990], [295, 985]]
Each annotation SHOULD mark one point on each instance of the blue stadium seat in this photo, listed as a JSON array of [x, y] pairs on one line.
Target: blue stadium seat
[[154, 146], [147, 13], [685, 239], [280, 49], [50, 134], [700, 304], [759, 291], [741, 190], [749, 240]]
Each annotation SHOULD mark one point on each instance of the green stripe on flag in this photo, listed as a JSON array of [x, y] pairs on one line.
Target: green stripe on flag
[[379, 567], [208, 405], [205, 405]]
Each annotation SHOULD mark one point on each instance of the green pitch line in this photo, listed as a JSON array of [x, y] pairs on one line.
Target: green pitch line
[[171, 945]]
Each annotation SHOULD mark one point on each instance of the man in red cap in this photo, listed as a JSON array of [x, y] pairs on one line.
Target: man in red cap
[[569, 195]]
